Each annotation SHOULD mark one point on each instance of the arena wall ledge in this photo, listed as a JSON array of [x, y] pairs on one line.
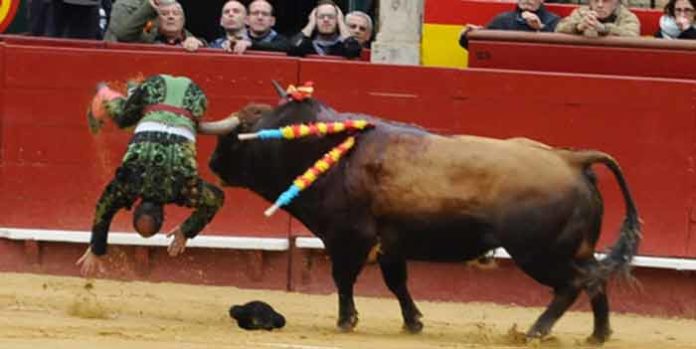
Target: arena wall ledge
[[52, 169]]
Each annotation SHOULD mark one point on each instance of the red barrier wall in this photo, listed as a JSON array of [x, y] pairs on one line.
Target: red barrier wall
[[52, 169], [574, 54], [622, 116]]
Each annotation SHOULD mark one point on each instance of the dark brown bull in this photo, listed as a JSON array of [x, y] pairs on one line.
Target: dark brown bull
[[411, 194]]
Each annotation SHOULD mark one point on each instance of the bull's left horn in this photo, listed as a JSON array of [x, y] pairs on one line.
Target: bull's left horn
[[220, 127], [279, 89]]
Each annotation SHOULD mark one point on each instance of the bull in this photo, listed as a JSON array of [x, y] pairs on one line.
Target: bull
[[409, 194]]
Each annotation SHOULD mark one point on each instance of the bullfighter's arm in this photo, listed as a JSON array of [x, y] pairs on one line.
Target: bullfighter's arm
[[205, 207], [112, 200]]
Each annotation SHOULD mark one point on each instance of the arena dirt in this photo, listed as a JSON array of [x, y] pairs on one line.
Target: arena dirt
[[39, 311]]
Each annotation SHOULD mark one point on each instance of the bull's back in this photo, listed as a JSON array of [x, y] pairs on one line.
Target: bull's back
[[425, 174]]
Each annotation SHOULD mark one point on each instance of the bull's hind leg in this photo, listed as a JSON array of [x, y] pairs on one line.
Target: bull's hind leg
[[596, 289], [395, 276], [563, 298]]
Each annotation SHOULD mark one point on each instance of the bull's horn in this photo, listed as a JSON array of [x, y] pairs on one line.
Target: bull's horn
[[220, 127], [279, 89]]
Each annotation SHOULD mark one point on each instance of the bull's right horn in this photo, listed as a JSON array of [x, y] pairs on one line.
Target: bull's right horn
[[279, 89], [220, 127]]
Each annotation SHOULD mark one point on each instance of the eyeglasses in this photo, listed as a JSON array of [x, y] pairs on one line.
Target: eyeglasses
[[260, 13], [359, 27], [326, 16], [685, 10]]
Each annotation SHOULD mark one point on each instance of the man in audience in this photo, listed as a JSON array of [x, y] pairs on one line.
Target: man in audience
[[233, 20], [258, 36], [601, 18], [529, 15], [360, 26], [325, 34], [151, 21], [260, 22]]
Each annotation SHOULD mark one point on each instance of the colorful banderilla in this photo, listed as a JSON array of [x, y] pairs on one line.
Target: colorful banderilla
[[305, 130], [306, 179]]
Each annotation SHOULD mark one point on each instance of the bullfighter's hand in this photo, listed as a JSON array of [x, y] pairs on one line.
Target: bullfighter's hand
[[532, 20], [90, 264], [192, 44], [178, 245], [240, 46]]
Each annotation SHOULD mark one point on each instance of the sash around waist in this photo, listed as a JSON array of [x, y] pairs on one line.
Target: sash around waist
[[152, 126]]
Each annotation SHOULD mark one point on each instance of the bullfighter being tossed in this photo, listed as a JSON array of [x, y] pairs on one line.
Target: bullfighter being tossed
[[159, 166]]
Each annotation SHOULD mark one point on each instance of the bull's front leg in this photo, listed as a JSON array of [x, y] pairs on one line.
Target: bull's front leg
[[395, 276], [347, 262]]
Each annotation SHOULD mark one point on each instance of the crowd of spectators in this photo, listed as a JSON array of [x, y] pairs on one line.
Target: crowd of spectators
[[163, 22], [327, 30], [596, 19]]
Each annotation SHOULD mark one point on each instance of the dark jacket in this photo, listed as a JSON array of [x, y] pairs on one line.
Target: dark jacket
[[687, 34], [513, 21], [272, 41], [301, 45]]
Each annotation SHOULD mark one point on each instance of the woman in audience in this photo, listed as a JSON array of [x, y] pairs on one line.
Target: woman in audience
[[678, 20]]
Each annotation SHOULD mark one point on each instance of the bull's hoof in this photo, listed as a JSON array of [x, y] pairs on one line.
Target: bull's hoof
[[347, 324], [533, 342], [414, 327], [599, 337], [536, 336]]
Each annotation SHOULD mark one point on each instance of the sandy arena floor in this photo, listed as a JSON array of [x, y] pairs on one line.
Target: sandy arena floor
[[39, 311]]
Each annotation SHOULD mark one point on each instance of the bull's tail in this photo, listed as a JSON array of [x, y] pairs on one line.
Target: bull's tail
[[622, 252]]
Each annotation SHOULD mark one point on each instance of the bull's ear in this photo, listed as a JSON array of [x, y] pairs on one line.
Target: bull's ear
[[279, 89]]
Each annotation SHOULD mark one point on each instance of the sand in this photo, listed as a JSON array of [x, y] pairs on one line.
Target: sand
[[40, 311]]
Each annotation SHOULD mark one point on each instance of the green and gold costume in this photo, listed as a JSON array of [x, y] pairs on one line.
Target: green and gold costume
[[160, 163]]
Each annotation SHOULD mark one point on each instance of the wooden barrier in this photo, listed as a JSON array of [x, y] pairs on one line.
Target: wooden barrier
[[576, 54], [52, 170]]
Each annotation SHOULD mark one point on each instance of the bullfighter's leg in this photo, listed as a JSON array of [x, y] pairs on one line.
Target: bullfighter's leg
[[395, 276], [347, 260]]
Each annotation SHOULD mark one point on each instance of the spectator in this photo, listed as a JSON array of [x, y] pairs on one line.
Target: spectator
[[601, 18], [325, 34], [678, 20], [104, 15], [529, 15], [135, 24], [360, 26], [77, 19], [261, 21], [39, 17], [122, 11], [232, 20]]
